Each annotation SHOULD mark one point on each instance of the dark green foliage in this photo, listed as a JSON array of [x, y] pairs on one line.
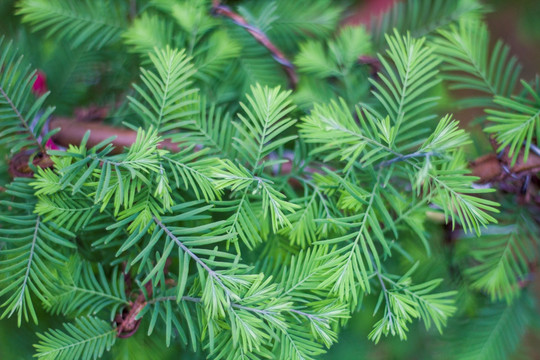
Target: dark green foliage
[[21, 122], [31, 253], [87, 24], [423, 18], [87, 338], [496, 331]]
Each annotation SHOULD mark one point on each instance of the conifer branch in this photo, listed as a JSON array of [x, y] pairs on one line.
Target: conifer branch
[[488, 168], [239, 306], [197, 259], [256, 234]]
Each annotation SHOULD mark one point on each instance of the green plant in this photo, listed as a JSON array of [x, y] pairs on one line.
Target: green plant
[[240, 220]]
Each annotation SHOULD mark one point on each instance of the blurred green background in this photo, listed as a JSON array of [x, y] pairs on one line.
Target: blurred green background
[[517, 22]]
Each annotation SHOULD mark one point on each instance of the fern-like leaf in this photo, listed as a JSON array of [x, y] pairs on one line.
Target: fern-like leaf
[[502, 256], [81, 291], [405, 301], [518, 125], [265, 120], [470, 65], [91, 24], [452, 190], [210, 128], [147, 33], [87, 339], [358, 246], [21, 117], [496, 332], [194, 174], [168, 98], [33, 250], [404, 86], [423, 17]]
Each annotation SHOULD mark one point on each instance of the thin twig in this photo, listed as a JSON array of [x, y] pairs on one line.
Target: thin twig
[[219, 9], [197, 259], [237, 306], [405, 157]]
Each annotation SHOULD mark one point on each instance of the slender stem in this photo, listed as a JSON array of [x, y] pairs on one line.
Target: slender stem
[[29, 265], [238, 306], [406, 157], [219, 9], [383, 286], [197, 259], [309, 316]]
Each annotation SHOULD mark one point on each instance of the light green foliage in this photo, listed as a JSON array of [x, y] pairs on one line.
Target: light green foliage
[[404, 301], [403, 88], [266, 119], [516, 118], [121, 179], [248, 221], [80, 290], [290, 22], [168, 97], [146, 33]]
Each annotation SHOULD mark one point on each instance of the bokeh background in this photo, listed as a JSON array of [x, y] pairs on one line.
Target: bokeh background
[[517, 22]]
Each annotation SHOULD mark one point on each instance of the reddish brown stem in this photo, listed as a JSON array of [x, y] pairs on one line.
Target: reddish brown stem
[[72, 133], [488, 168], [261, 37], [127, 324]]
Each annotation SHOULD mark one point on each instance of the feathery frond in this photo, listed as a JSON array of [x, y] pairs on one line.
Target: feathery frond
[[450, 187], [80, 291], [517, 123], [147, 33], [405, 301], [264, 121], [86, 339], [407, 82], [355, 256], [469, 63], [22, 118], [168, 98], [33, 252], [338, 61], [501, 257], [213, 59], [496, 332], [195, 174], [289, 23], [90, 24], [423, 17], [253, 236], [211, 128], [340, 136]]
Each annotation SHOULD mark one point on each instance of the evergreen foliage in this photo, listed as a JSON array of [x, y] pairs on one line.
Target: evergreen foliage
[[248, 221]]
